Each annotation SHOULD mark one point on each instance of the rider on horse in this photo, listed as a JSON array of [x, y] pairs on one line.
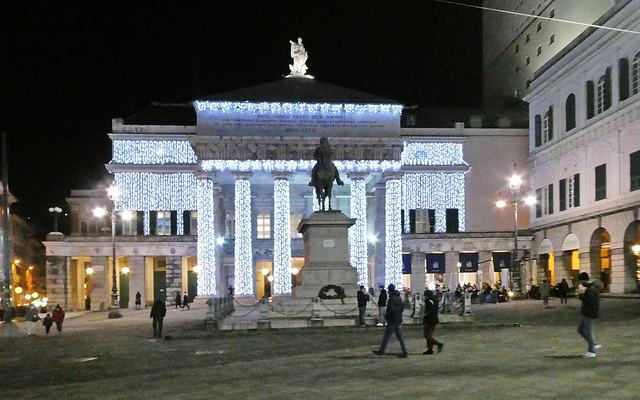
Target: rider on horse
[[324, 155]]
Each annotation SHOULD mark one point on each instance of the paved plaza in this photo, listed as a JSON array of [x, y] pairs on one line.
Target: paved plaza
[[490, 358]]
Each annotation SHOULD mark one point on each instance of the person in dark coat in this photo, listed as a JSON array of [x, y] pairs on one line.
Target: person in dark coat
[[589, 311], [185, 301], [430, 320], [178, 300], [363, 298], [394, 322], [47, 322], [563, 291], [138, 300], [382, 306], [58, 317], [158, 311]]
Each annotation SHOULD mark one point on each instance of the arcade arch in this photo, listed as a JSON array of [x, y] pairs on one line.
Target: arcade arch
[[570, 258], [546, 263], [629, 279], [600, 257]]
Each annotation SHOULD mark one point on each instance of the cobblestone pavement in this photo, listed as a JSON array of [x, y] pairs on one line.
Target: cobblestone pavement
[[97, 358]]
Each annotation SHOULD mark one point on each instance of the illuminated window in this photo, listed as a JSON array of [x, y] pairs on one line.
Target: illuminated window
[[263, 226], [600, 88], [163, 223], [129, 226], [295, 221]]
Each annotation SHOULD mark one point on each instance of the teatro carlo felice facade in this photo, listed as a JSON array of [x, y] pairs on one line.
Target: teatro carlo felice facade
[[218, 187]]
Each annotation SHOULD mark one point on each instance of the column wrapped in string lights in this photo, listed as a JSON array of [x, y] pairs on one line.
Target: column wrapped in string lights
[[206, 236], [358, 232], [393, 241], [281, 235], [244, 271]]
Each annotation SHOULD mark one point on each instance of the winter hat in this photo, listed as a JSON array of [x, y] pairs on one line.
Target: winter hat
[[391, 287], [583, 276]]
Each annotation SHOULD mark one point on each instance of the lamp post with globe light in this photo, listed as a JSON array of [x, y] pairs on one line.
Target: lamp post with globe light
[[112, 191], [55, 211], [514, 196]]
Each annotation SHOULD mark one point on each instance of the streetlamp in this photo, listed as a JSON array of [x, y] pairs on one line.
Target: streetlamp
[[514, 196], [55, 211], [112, 192]]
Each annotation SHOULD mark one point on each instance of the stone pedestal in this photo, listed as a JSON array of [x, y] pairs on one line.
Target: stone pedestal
[[326, 255]]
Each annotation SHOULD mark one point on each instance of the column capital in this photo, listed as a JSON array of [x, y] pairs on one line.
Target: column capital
[[391, 175], [204, 174], [281, 175], [242, 175], [357, 175]]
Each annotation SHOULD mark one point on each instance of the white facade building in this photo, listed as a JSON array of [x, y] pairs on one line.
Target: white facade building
[[585, 154]]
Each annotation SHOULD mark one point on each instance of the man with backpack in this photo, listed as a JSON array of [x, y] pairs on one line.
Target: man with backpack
[[394, 322]]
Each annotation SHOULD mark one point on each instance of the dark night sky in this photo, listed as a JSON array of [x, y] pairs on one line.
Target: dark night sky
[[69, 70]]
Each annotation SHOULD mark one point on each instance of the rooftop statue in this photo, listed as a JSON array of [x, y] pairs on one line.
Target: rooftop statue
[[299, 55], [324, 173]]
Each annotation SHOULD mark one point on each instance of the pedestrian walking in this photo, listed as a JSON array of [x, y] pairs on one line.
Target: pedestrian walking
[[363, 298], [158, 311], [138, 300], [185, 301], [47, 322], [430, 320], [394, 322], [382, 306], [545, 292], [31, 317], [588, 313], [563, 291], [178, 300], [58, 317]]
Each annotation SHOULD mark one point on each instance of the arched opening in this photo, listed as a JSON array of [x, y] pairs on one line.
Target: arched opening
[[546, 262], [570, 258], [628, 282], [600, 256]]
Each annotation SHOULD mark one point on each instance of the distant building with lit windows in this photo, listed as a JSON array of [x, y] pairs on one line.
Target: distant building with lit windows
[[585, 154], [218, 187]]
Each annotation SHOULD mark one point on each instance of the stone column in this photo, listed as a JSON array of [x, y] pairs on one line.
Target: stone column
[[173, 278], [358, 232], [244, 270], [379, 228], [100, 284], [393, 230], [452, 275], [206, 235], [57, 280], [281, 235], [485, 269], [418, 272], [136, 279]]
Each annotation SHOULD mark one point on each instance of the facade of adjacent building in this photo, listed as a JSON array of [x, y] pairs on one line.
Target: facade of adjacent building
[[525, 36], [218, 187], [585, 154]]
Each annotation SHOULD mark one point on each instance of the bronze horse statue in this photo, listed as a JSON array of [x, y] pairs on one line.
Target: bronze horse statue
[[324, 173]]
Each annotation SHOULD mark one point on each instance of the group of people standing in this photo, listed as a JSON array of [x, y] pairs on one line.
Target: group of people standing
[[32, 317]]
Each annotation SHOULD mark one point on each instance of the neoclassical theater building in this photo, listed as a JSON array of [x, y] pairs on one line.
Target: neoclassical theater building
[[217, 188], [585, 153]]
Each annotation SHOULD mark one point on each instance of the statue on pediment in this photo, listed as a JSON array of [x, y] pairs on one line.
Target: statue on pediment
[[299, 55]]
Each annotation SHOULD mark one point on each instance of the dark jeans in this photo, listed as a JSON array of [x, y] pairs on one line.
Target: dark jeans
[[585, 329], [157, 326], [362, 311], [59, 326], [391, 328]]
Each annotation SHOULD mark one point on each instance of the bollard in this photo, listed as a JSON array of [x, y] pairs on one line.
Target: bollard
[[211, 311], [467, 303], [315, 310], [263, 306]]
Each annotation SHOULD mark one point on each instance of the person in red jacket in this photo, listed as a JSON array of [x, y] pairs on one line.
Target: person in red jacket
[[58, 317]]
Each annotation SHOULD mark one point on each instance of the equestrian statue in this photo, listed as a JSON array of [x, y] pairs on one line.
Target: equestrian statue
[[323, 173]]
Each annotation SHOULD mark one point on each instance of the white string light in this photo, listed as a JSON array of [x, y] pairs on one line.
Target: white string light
[[242, 250], [358, 232], [344, 166], [206, 239], [153, 152], [282, 238], [393, 242], [226, 107], [432, 154]]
